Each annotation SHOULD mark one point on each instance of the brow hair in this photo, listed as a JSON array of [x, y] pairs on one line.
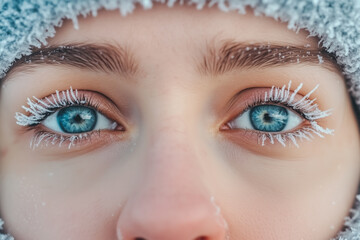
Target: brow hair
[[232, 55], [107, 58]]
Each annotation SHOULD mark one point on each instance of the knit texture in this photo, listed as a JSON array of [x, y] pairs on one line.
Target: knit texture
[[28, 23]]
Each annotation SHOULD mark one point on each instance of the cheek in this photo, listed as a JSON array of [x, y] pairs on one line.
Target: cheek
[[66, 202], [79, 217], [22, 203], [294, 198]]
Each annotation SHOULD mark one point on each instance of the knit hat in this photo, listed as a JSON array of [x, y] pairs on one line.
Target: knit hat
[[28, 23]]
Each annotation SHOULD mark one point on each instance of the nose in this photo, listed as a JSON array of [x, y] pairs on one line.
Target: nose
[[190, 218], [171, 200]]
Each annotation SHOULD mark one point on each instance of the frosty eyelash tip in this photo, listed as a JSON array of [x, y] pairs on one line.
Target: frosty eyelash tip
[[38, 109], [308, 108]]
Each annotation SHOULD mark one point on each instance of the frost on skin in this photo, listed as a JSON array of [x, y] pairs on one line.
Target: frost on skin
[[309, 110], [220, 217], [4, 236], [320, 59]]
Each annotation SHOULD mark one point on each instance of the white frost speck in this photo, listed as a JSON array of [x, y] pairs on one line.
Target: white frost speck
[[358, 197], [320, 59]]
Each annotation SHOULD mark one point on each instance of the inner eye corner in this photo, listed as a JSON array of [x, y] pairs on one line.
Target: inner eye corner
[[224, 126]]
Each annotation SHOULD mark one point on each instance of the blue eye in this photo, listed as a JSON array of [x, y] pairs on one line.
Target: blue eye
[[77, 119], [267, 118]]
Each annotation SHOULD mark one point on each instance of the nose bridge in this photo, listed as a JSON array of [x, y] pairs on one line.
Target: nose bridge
[[172, 141], [171, 201], [171, 163]]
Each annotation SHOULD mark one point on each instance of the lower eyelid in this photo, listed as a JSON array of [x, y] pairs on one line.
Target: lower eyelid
[[252, 140], [52, 143]]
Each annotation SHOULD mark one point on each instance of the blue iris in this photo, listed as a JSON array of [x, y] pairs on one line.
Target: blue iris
[[77, 119], [269, 118]]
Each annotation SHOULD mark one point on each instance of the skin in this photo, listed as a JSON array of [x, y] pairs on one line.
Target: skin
[[174, 174]]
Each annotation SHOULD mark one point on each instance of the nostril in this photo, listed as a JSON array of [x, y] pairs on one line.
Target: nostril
[[201, 238], [198, 238]]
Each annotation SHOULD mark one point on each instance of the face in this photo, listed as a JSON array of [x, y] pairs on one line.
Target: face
[[177, 124]]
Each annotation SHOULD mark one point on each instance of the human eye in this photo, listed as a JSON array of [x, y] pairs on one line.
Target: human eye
[[280, 115], [69, 118], [77, 119], [267, 118]]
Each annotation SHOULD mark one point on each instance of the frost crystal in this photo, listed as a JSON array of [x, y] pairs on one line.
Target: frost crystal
[[307, 107], [320, 59], [39, 109]]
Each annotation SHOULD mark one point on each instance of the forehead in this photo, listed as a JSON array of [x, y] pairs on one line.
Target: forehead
[[183, 28]]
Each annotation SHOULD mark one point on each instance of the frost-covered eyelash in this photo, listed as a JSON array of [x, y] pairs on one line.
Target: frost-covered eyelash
[[308, 108], [48, 138], [40, 109]]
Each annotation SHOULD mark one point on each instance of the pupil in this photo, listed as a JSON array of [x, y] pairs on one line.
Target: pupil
[[78, 119], [267, 118]]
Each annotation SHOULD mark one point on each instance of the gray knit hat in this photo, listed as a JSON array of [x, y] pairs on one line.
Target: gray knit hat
[[28, 23]]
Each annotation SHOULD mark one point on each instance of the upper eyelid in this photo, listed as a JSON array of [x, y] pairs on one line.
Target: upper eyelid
[[295, 100], [38, 109]]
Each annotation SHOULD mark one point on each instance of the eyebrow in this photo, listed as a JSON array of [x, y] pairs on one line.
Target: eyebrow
[[233, 55], [107, 58]]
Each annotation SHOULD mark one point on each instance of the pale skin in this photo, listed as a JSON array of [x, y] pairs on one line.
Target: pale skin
[[174, 174]]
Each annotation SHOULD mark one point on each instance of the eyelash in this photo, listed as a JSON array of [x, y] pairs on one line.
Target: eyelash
[[40, 109], [305, 107]]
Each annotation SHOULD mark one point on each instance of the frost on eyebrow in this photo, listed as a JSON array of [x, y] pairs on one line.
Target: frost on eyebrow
[[100, 57], [307, 107], [234, 55]]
